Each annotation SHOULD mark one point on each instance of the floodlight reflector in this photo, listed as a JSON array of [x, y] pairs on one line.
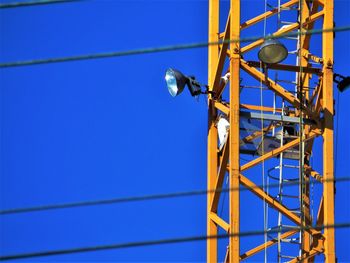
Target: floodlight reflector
[[175, 81]]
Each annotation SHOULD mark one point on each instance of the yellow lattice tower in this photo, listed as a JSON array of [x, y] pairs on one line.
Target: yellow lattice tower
[[311, 106]]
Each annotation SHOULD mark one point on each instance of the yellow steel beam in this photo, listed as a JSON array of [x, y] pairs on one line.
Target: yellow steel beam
[[234, 196], [266, 245], [273, 202], [219, 221], [328, 154], [306, 256], [225, 108], [320, 213], [303, 87], [314, 58], [261, 17], [260, 108], [293, 68], [285, 30], [257, 134], [220, 177], [278, 89], [267, 14], [313, 173], [221, 60], [212, 159], [222, 107], [277, 151]]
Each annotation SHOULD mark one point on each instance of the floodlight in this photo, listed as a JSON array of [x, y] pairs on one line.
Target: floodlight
[[272, 51], [343, 82], [223, 127], [176, 82]]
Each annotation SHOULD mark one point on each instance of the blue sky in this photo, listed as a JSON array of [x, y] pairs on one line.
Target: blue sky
[[109, 128]]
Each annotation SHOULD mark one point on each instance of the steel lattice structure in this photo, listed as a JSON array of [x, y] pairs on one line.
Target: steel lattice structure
[[314, 109]]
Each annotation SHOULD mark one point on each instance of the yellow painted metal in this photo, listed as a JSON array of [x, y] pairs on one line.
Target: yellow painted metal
[[220, 177], [234, 172], [266, 245], [220, 63], [225, 108], [328, 155], [313, 173], [260, 108], [219, 221], [272, 202], [228, 160], [303, 82], [267, 14], [212, 132], [278, 89], [306, 256], [257, 134], [261, 17], [314, 58], [285, 30], [277, 151], [222, 107], [293, 68]]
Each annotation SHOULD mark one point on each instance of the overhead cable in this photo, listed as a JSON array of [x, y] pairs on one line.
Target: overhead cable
[[166, 241], [163, 48], [146, 198], [36, 2]]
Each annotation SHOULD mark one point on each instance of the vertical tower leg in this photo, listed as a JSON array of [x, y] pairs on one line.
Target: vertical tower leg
[[304, 87], [212, 133], [234, 132], [328, 169]]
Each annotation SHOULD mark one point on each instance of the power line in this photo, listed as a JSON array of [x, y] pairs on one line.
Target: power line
[[165, 241], [162, 49], [37, 2], [144, 198]]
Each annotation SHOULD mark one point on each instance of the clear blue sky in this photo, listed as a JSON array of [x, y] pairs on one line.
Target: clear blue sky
[[109, 128]]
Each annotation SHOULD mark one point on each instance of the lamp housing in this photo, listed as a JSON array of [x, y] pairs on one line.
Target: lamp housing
[[272, 52]]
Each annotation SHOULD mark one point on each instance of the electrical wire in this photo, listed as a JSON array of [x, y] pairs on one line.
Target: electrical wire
[[336, 133], [35, 3], [162, 48], [163, 241], [145, 198]]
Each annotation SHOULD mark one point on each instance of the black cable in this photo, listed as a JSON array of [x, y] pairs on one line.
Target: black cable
[[336, 134], [161, 49], [144, 198], [36, 2], [165, 241]]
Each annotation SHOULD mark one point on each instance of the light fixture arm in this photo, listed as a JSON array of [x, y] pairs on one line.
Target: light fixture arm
[[195, 87], [342, 81]]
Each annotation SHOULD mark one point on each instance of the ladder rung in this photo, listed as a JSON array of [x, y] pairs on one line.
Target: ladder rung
[[289, 8], [291, 166], [290, 196], [292, 38], [288, 226], [287, 22], [286, 81], [294, 242], [285, 256]]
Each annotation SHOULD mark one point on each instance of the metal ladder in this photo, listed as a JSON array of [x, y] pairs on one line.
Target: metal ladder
[[283, 195]]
